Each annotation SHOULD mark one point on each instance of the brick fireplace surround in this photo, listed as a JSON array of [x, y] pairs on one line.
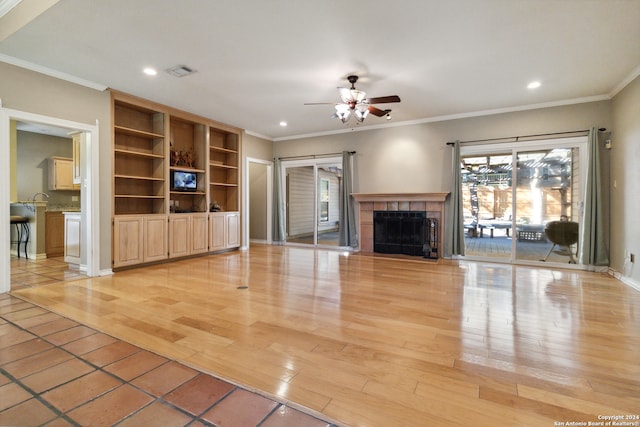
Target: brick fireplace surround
[[432, 203]]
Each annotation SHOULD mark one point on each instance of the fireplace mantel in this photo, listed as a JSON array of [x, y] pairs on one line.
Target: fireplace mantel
[[400, 197], [432, 203]]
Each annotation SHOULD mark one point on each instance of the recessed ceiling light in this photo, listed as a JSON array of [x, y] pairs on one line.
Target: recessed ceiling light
[[283, 124], [534, 85], [150, 71]]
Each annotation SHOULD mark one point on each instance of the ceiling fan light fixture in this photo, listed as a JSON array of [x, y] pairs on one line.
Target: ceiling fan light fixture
[[343, 112], [345, 94], [357, 95], [361, 112], [354, 102]]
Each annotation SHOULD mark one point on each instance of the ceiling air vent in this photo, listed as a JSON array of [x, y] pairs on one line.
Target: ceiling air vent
[[180, 71]]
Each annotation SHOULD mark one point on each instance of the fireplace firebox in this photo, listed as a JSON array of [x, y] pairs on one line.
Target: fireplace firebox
[[406, 233]]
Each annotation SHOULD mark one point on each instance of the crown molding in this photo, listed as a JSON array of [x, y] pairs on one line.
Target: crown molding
[[448, 117], [631, 77], [51, 72]]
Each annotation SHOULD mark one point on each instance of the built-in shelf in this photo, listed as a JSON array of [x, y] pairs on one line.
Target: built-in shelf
[[222, 166], [188, 193], [223, 184], [186, 169], [136, 132], [137, 196], [138, 153], [223, 150], [145, 178]]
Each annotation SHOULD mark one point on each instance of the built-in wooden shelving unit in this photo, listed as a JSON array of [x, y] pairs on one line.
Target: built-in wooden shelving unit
[[153, 220]]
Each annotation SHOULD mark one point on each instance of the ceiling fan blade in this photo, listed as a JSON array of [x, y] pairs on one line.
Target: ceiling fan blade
[[384, 99], [376, 111], [319, 103]]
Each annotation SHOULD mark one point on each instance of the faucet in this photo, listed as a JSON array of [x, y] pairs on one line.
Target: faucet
[[32, 206], [33, 199]]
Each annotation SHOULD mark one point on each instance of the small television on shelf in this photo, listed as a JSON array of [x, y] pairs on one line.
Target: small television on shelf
[[184, 181]]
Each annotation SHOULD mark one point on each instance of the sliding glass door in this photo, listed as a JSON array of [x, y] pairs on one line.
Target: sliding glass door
[[312, 201], [522, 201]]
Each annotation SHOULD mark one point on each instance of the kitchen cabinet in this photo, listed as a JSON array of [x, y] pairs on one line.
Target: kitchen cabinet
[[54, 234], [72, 237], [61, 174]]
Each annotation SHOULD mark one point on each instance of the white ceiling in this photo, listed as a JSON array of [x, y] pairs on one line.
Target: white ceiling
[[258, 62]]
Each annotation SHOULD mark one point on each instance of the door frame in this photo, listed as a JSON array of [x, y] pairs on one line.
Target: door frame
[[581, 142], [89, 195]]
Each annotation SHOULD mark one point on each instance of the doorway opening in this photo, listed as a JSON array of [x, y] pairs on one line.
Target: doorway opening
[[87, 225], [258, 202]]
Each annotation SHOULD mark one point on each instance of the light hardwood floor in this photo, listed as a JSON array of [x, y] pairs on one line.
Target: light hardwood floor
[[374, 341]]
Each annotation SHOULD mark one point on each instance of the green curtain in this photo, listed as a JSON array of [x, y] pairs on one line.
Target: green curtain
[[593, 245], [278, 205], [348, 232], [456, 213]]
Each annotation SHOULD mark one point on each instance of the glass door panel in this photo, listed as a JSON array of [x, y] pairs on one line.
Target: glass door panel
[[547, 212], [300, 204], [329, 185], [487, 203]]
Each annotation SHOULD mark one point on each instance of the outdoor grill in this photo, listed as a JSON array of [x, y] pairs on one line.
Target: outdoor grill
[[562, 234]]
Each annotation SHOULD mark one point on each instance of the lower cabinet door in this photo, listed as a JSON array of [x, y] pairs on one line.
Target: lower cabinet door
[[199, 233], [217, 229], [127, 240], [233, 229], [155, 238], [179, 235], [72, 238]]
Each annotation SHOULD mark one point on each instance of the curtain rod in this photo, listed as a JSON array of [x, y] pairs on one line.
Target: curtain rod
[[517, 138], [314, 156]]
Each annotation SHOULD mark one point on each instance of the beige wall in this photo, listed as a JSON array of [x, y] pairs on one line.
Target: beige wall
[[625, 180], [28, 91], [414, 159], [257, 148]]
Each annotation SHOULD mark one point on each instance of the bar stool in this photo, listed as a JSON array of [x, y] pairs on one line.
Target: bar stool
[[23, 231]]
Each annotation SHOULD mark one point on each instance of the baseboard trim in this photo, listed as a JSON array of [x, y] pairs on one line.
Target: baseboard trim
[[624, 279]]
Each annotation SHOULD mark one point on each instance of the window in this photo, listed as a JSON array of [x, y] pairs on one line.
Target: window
[[324, 200]]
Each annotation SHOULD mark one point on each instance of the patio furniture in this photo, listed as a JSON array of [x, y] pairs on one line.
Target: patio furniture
[[531, 232]]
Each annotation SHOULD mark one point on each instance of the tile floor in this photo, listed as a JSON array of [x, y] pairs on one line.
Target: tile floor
[[57, 372], [28, 272]]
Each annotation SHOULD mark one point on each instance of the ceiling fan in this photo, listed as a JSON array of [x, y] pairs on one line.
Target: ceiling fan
[[355, 104]]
